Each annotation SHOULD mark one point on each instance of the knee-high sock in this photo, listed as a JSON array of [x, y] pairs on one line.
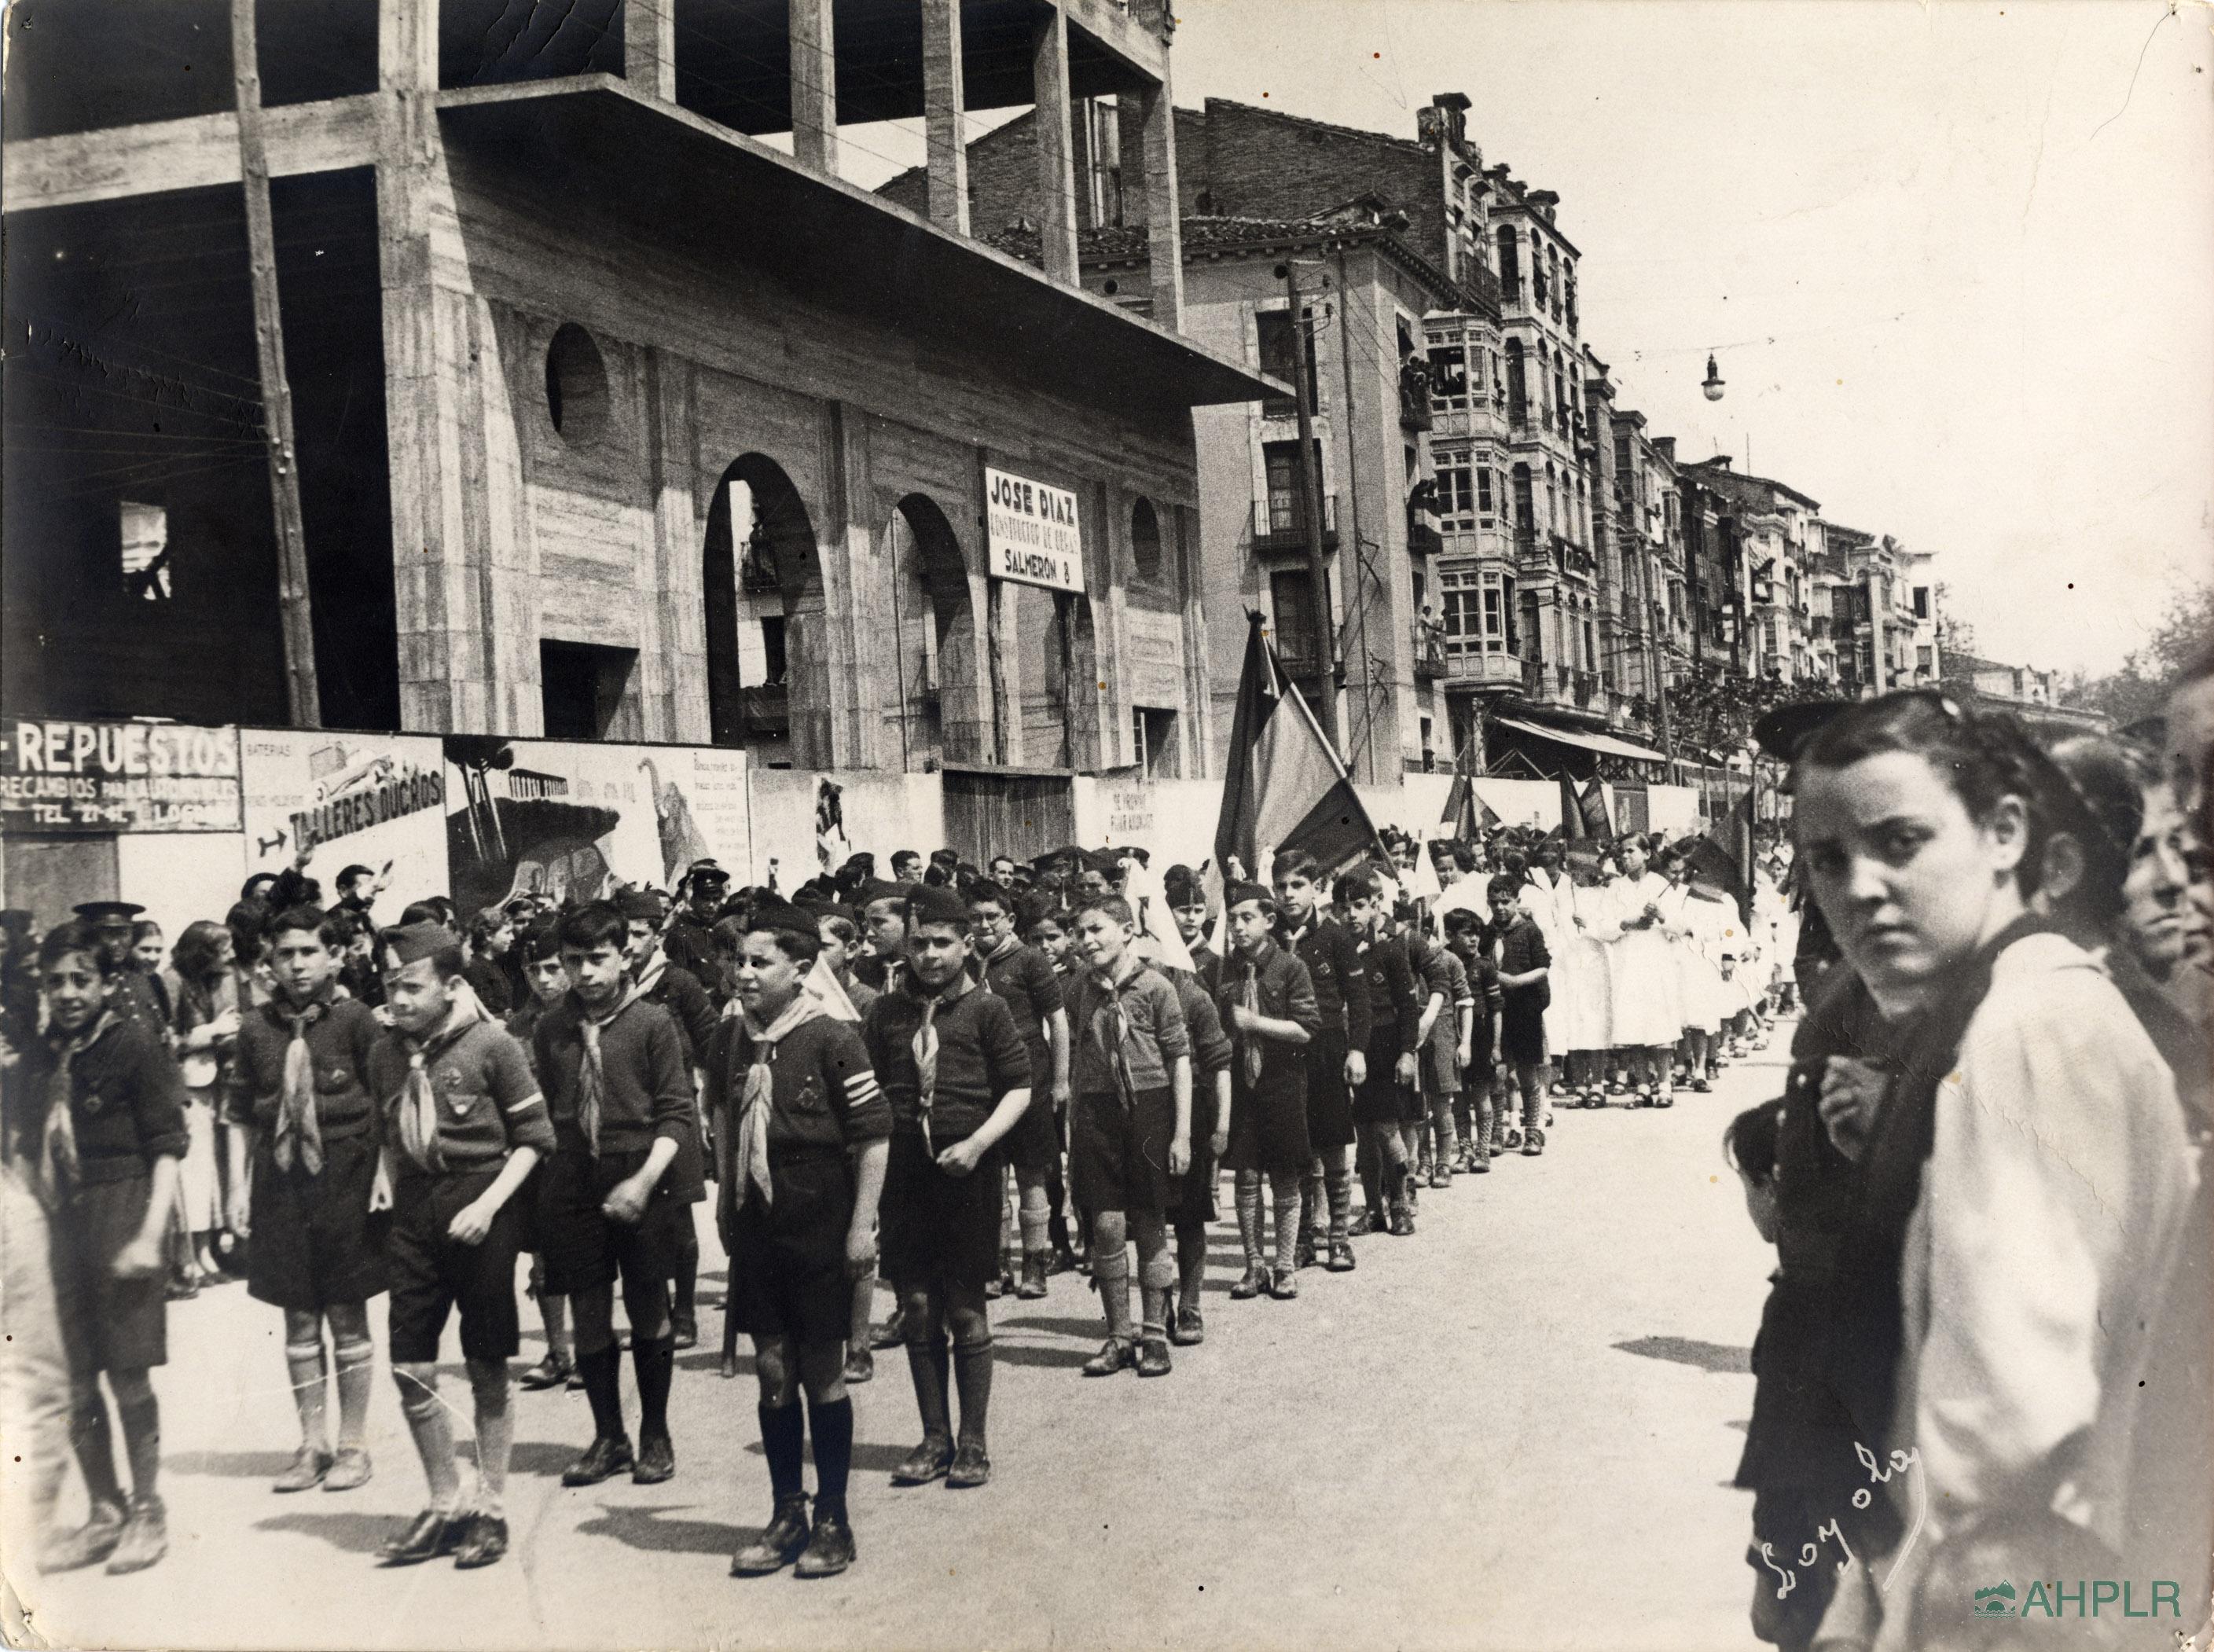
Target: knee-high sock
[[1110, 1271], [1284, 1189], [357, 1363], [1311, 1200], [1441, 1120], [1191, 1264], [655, 1362], [1154, 1313], [864, 1303], [1035, 1220], [141, 1418], [495, 1421], [1249, 1215], [553, 1310], [972, 1375], [1371, 1170], [831, 1423], [602, 1370], [1055, 1196], [94, 1444], [684, 1288], [310, 1372], [434, 1442], [1339, 1182], [784, 1442], [926, 1364]]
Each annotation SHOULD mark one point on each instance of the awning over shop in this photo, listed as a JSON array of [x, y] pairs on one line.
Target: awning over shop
[[1605, 744]]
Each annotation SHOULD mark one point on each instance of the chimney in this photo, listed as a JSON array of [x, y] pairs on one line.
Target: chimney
[[1447, 116], [1543, 200], [1666, 447], [1720, 461]]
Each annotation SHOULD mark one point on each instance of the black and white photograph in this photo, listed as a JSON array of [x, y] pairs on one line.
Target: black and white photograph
[[1214, 825]]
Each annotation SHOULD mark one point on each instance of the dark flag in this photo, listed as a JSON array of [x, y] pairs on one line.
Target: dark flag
[[1572, 828], [1722, 855], [1286, 788], [1592, 807]]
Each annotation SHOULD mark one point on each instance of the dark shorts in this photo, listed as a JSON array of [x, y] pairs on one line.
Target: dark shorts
[[582, 1247], [686, 1177], [1269, 1125], [1193, 1198], [430, 1275], [1414, 1104], [1376, 1100], [315, 1242], [1522, 1032], [788, 1256], [1034, 1145], [106, 1324], [1329, 1103], [937, 1229], [1118, 1157]]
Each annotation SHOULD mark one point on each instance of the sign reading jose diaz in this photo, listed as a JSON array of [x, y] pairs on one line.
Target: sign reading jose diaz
[[1031, 532]]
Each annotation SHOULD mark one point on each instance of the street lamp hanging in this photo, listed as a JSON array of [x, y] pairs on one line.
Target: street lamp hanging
[[1713, 387]]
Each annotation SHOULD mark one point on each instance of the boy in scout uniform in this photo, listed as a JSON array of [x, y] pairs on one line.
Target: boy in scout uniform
[[463, 1126]]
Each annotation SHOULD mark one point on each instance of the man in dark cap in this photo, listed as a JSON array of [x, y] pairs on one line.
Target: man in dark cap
[[958, 1078], [803, 1134], [690, 943], [884, 927], [132, 993], [1186, 897], [463, 1126]]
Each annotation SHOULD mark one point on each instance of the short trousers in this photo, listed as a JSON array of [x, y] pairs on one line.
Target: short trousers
[[1034, 1145], [106, 1324], [429, 1274], [582, 1248], [787, 1274], [937, 1229], [1329, 1105], [1118, 1157], [1193, 1199], [1269, 1124], [1522, 1032], [315, 1240]]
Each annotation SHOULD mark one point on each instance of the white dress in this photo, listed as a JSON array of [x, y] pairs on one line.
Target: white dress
[[1700, 987], [1544, 898], [1588, 1016], [1641, 976]]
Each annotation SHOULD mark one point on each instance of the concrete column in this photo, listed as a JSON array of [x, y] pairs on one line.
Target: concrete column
[[1163, 222], [814, 85], [942, 99], [1055, 146], [833, 692], [650, 47], [675, 675]]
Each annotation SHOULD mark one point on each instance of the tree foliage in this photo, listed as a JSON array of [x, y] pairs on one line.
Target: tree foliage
[[2149, 675], [1714, 708]]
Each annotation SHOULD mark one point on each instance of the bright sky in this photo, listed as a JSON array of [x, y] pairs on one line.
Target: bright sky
[[1956, 260]]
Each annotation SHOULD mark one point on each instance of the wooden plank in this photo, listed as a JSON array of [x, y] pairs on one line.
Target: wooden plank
[[303, 699], [119, 162]]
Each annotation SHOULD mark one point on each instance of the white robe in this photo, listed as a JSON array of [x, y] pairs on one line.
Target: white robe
[[1641, 976], [1701, 1000], [1587, 1017]]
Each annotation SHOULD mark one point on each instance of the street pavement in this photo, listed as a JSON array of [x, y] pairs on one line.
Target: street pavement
[[1516, 1429]]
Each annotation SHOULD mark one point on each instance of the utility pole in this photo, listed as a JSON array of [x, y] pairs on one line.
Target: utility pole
[[1325, 708], [303, 697]]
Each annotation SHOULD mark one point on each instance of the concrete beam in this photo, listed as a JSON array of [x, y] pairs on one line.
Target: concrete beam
[[943, 102], [1136, 36], [814, 86], [650, 47], [116, 162], [1055, 146]]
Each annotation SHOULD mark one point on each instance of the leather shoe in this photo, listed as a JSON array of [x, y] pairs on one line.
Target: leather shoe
[[890, 1334], [683, 1331], [1033, 1280], [349, 1469], [1255, 1281], [1303, 1255], [309, 1464], [1341, 1258], [830, 1551], [1187, 1330], [780, 1544], [1283, 1287], [604, 1458], [426, 1536], [483, 1540], [549, 1372], [89, 1545], [1115, 1355], [1534, 1143], [656, 1459], [927, 1462], [860, 1367], [1403, 1223], [145, 1538], [1154, 1357], [972, 1466]]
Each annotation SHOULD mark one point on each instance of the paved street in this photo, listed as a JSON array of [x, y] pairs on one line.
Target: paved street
[[1513, 1430]]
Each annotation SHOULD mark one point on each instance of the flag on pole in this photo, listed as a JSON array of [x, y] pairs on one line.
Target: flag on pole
[[1598, 825], [1722, 855], [1465, 815], [1286, 788], [1572, 828]]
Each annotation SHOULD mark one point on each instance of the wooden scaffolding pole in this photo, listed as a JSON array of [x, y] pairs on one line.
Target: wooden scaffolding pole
[[303, 695]]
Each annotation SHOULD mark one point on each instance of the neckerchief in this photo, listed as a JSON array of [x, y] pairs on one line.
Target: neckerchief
[[417, 1111], [298, 1129], [752, 1153], [1009, 944], [926, 1049], [592, 1072], [1250, 995], [648, 975], [58, 1161], [1111, 1025]]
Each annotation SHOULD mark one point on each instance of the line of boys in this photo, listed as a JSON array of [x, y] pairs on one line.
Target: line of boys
[[391, 1158]]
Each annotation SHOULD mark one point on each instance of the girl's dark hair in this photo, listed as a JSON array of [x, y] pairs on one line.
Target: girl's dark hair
[[197, 949], [1750, 1141], [2101, 785], [1984, 756], [143, 928], [75, 936]]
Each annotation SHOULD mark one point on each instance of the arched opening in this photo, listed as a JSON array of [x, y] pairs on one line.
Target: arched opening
[[767, 670], [1056, 679], [576, 385], [934, 713], [1146, 541]]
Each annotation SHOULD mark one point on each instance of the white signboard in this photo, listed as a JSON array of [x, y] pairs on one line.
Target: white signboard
[[1031, 532], [328, 801]]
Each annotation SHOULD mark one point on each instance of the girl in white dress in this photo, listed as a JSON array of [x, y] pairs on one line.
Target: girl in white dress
[[1641, 976], [1697, 917], [1588, 1016]]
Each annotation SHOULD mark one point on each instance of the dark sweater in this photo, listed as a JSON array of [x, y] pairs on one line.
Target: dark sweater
[[339, 1042], [488, 1102], [823, 1094], [648, 1092], [1339, 977], [127, 1101], [981, 1058]]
